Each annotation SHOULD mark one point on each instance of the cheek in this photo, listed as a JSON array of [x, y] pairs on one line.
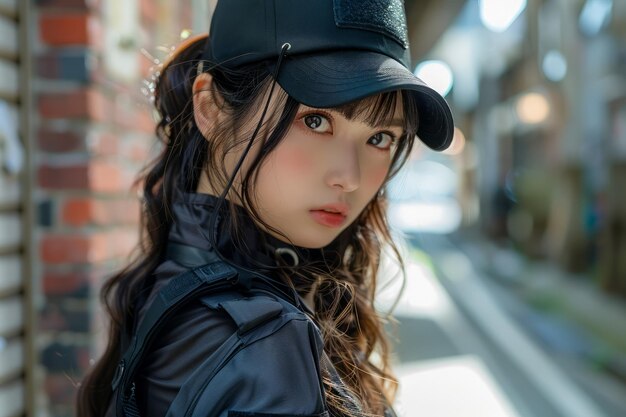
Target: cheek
[[294, 160], [376, 176]]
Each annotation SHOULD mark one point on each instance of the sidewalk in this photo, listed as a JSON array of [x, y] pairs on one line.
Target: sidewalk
[[595, 321], [438, 353], [582, 329]]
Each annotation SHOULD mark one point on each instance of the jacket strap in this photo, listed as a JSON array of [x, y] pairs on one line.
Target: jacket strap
[[182, 288], [249, 313], [190, 256]]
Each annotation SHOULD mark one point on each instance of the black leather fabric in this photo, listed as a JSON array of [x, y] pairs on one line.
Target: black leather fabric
[[276, 374], [274, 368]]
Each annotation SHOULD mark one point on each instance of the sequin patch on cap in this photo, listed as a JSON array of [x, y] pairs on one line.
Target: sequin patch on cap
[[384, 16]]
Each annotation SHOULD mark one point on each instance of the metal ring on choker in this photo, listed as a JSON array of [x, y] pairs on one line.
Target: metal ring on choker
[[290, 252]]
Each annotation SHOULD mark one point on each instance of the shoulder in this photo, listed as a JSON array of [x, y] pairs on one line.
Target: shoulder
[[270, 364], [258, 316], [189, 337]]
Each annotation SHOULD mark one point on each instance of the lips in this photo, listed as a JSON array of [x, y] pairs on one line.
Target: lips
[[336, 208], [331, 215]]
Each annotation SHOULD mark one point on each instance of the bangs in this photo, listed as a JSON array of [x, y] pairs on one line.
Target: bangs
[[379, 110]]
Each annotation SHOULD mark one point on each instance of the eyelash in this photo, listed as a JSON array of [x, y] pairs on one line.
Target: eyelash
[[393, 139]]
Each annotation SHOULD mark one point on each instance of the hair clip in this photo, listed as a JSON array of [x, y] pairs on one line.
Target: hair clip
[[149, 84]]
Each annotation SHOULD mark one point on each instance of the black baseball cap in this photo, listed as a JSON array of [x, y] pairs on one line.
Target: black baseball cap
[[340, 51]]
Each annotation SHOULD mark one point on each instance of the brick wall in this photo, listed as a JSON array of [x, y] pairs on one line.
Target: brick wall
[[93, 133]]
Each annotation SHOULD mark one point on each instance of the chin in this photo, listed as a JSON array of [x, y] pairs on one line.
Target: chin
[[315, 242]]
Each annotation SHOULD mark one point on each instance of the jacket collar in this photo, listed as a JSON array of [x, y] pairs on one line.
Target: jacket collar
[[191, 222]]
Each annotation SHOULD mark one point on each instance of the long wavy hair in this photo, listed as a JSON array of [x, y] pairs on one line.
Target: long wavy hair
[[352, 329]]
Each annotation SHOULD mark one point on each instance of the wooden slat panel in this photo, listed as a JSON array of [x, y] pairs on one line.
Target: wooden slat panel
[[12, 394], [8, 37], [15, 114], [9, 79], [10, 194], [12, 399], [11, 359], [9, 185], [10, 230], [10, 274], [8, 7], [11, 316]]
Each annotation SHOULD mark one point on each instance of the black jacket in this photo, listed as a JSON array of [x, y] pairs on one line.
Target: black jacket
[[262, 383]]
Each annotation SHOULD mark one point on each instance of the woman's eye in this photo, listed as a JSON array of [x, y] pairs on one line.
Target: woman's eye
[[317, 122], [383, 140]]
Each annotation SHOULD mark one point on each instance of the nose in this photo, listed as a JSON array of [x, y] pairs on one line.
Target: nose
[[344, 171]]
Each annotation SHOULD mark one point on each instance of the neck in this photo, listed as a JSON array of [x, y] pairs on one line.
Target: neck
[[204, 186]]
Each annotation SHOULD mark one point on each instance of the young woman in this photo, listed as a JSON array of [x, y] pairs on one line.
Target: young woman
[[280, 130]]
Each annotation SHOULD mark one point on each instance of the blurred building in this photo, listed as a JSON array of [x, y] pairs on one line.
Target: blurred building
[[539, 92], [538, 89]]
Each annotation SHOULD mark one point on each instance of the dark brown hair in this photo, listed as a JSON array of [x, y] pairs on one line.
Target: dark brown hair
[[353, 333]]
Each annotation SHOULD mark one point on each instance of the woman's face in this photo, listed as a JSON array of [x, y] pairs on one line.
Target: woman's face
[[321, 175], [325, 163]]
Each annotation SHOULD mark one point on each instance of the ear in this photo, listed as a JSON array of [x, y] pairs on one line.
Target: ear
[[207, 104]]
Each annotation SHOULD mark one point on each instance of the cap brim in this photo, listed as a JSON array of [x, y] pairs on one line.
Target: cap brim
[[335, 78]]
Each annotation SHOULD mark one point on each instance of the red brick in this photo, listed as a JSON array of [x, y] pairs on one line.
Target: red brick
[[59, 141], [58, 316], [97, 34], [88, 248], [99, 250], [148, 11], [111, 245], [51, 318], [106, 177], [82, 103], [83, 356], [146, 67], [125, 112], [132, 212], [110, 212], [187, 15], [71, 64], [122, 242], [132, 114], [145, 122], [78, 212], [137, 151], [48, 66], [61, 29], [66, 177], [65, 284], [57, 249], [63, 105], [98, 176], [60, 389], [103, 144], [99, 106]]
